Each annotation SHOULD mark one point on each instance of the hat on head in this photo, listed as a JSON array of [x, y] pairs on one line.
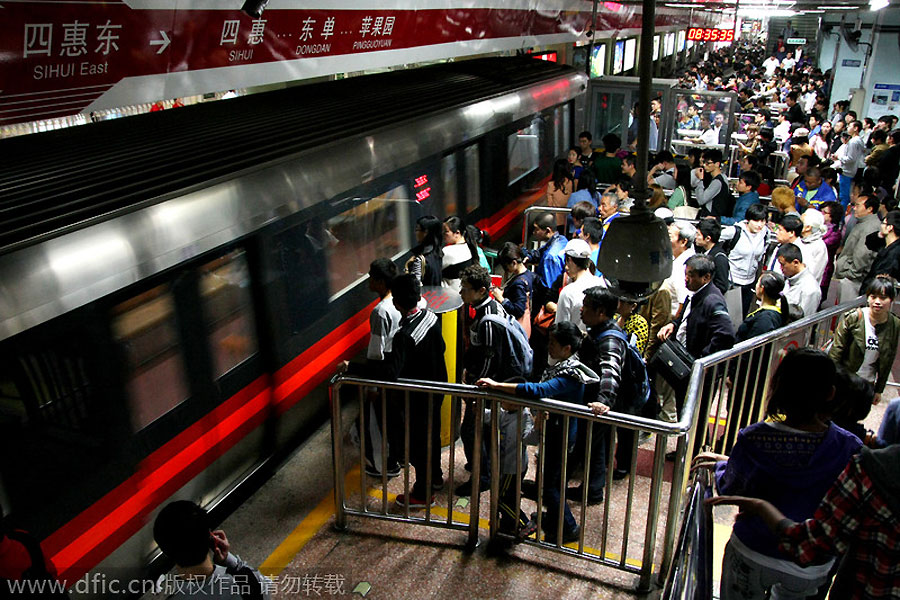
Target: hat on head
[[665, 214], [577, 248], [801, 132]]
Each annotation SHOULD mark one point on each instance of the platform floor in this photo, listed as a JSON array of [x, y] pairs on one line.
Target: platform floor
[[287, 529]]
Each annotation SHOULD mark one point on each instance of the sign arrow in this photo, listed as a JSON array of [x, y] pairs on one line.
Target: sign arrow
[[163, 43]]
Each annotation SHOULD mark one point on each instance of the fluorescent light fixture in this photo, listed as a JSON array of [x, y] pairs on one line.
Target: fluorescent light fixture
[[878, 4], [838, 7], [761, 13]]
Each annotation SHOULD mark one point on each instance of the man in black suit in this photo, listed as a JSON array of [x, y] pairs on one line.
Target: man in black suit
[[704, 326]]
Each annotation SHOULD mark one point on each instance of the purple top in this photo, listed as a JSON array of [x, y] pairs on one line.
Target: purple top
[[790, 469], [832, 239]]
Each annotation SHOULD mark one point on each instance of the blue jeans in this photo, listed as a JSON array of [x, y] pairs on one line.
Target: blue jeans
[[846, 182]]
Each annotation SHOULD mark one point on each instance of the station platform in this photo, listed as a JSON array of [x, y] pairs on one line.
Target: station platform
[[287, 529]]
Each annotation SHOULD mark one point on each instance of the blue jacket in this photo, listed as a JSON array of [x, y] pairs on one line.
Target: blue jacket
[[825, 193], [744, 202], [549, 260]]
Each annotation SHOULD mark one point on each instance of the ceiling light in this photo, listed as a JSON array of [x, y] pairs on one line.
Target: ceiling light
[[838, 7], [878, 4]]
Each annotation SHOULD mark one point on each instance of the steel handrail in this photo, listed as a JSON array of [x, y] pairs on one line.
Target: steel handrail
[[557, 406], [535, 208]]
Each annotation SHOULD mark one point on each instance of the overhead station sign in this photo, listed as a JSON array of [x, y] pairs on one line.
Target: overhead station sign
[[68, 56], [62, 57]]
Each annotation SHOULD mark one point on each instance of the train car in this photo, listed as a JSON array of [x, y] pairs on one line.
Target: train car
[[175, 287]]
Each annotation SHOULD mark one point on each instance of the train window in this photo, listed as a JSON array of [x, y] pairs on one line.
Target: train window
[[356, 237], [473, 178], [147, 333], [448, 177], [524, 151], [228, 311]]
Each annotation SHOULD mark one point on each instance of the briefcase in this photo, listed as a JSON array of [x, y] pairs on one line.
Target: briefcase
[[673, 362]]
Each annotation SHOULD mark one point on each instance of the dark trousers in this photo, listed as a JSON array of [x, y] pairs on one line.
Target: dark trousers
[[748, 295], [470, 421], [418, 437], [510, 521], [375, 424], [595, 472], [553, 478]]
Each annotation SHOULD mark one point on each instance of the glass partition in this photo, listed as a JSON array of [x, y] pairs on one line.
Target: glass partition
[[702, 120]]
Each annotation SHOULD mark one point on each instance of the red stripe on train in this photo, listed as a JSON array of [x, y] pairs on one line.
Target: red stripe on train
[[500, 223], [86, 540]]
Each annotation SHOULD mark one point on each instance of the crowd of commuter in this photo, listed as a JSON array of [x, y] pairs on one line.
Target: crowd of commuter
[[747, 262], [818, 493]]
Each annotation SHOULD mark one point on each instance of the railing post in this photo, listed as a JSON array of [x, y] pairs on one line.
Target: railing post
[[659, 466], [337, 453], [495, 469], [474, 504]]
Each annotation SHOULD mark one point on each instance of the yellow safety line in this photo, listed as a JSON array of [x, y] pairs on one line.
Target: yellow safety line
[[308, 527], [281, 557], [712, 420]]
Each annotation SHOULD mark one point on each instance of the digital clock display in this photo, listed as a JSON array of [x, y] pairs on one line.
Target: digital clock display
[[708, 34]]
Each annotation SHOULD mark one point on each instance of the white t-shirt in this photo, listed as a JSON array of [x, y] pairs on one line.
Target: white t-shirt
[[869, 368], [677, 280], [384, 321], [571, 298], [453, 255]]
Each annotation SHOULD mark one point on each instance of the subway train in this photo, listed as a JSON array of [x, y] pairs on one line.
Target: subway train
[[176, 287]]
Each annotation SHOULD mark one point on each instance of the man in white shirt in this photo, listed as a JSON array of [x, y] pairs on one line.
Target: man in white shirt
[[770, 64], [850, 160], [681, 235], [384, 321], [709, 135], [814, 250], [571, 297], [801, 288]]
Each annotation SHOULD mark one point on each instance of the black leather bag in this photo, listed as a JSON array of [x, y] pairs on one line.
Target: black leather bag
[[673, 362]]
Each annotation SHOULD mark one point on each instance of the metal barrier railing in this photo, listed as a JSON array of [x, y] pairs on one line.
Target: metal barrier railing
[[636, 551], [692, 571], [526, 222], [731, 386], [725, 389]]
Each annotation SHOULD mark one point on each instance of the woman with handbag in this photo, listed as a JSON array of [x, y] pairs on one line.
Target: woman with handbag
[[425, 262], [518, 287]]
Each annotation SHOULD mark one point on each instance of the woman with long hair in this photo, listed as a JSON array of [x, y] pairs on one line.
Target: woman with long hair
[[681, 196], [790, 459], [460, 251], [561, 184], [518, 285], [425, 262]]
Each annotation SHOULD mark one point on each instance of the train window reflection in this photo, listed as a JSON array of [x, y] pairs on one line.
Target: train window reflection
[[473, 178], [147, 333], [356, 237], [524, 152], [448, 178], [228, 311]]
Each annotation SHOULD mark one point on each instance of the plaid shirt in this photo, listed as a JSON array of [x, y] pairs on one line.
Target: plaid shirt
[[606, 359], [855, 520]]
